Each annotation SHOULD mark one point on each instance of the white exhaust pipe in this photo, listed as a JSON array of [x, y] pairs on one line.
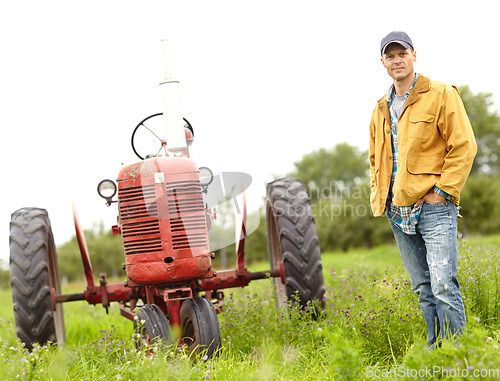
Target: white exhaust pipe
[[172, 113]]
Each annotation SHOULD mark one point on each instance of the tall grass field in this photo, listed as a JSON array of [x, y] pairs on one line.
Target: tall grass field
[[372, 328]]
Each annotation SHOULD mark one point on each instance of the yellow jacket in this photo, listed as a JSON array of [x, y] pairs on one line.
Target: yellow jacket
[[436, 146]]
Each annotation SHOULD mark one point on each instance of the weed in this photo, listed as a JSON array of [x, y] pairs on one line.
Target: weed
[[372, 327], [479, 276]]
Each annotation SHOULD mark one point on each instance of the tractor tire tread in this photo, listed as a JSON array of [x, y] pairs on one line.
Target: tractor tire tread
[[298, 238], [202, 314], [156, 323], [30, 279]]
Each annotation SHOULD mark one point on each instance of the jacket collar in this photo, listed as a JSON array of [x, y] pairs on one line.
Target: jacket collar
[[422, 85]]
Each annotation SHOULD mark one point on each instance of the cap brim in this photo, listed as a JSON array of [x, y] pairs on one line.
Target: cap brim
[[402, 43]]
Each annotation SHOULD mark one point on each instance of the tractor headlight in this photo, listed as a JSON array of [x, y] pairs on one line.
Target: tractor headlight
[[107, 189], [206, 176]]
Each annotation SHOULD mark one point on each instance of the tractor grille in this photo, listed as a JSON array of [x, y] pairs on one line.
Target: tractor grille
[[140, 219], [139, 216], [187, 215]]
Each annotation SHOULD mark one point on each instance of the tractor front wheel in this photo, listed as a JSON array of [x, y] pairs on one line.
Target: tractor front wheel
[[200, 326], [151, 327], [293, 244], [33, 274]]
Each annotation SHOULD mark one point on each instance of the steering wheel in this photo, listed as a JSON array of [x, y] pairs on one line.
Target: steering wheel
[[154, 131]]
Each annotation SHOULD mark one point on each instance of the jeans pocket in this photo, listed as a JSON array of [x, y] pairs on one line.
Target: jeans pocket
[[438, 215], [435, 207]]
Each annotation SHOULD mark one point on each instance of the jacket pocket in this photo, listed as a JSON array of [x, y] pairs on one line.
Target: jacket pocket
[[421, 126], [420, 165]]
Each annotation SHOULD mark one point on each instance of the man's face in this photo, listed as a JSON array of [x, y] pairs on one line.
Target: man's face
[[398, 61]]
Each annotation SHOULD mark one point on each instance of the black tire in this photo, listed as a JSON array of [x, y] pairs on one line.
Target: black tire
[[33, 273], [200, 326], [151, 327], [292, 239]]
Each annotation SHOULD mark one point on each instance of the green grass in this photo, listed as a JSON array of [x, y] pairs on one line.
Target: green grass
[[492, 241], [375, 260], [6, 312], [372, 327]]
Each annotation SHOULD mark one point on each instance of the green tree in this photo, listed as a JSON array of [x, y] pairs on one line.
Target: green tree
[[105, 251], [481, 205], [481, 195], [337, 179], [486, 124], [345, 222], [327, 172], [256, 242], [4, 275]]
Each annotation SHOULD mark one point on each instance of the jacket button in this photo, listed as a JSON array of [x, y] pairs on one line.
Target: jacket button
[[390, 157], [387, 131]]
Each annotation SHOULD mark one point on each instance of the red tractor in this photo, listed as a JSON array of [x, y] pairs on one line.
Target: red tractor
[[164, 220]]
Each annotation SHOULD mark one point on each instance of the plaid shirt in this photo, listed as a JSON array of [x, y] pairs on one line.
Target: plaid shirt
[[405, 217]]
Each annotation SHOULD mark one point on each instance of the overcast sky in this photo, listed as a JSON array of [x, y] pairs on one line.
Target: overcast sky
[[262, 82]]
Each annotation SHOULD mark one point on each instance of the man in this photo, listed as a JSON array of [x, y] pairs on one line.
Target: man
[[421, 152]]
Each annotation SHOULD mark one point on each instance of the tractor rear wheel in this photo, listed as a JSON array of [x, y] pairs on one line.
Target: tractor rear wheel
[[200, 326], [33, 274], [151, 327], [293, 243]]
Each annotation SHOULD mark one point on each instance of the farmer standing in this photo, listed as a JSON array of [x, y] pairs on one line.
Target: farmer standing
[[421, 151]]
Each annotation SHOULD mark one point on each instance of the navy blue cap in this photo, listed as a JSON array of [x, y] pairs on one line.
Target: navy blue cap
[[400, 38]]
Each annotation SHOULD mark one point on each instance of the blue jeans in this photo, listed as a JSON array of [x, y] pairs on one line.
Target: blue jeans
[[430, 257]]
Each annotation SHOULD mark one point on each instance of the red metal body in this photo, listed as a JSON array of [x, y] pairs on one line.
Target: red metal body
[[163, 224]]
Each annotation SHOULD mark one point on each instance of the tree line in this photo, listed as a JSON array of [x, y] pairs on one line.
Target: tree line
[[338, 182], [337, 179]]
